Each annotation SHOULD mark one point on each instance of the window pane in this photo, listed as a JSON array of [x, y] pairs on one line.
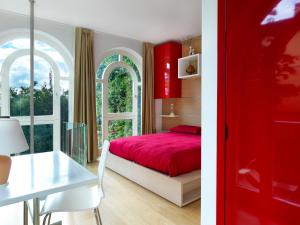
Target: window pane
[[43, 88], [119, 128], [11, 46], [120, 91], [1, 100], [55, 55], [99, 112], [129, 62], [139, 104], [64, 105], [19, 87], [18, 83], [108, 60], [23, 43], [43, 137]]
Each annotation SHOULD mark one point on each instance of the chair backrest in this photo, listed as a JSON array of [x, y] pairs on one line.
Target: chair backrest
[[103, 157]]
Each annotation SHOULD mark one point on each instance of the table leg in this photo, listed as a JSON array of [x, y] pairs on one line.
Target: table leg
[[36, 211], [25, 213]]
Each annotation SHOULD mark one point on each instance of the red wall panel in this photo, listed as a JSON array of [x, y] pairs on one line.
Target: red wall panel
[[262, 112]]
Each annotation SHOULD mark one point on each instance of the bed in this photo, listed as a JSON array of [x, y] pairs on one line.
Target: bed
[[167, 163]]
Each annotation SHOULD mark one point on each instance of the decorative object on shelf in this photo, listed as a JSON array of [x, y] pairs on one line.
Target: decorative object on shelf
[[171, 114], [12, 141], [190, 69], [192, 51], [172, 110]]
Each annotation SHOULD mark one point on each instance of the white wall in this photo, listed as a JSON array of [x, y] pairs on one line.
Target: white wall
[[209, 112], [64, 33], [105, 42]]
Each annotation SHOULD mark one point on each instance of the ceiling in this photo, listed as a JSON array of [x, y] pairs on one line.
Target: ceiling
[[145, 20]]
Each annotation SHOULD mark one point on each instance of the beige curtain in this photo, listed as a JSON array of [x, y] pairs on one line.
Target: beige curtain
[[85, 99], [148, 118]]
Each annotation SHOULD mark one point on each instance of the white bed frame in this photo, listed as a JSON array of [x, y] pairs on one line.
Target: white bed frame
[[180, 190]]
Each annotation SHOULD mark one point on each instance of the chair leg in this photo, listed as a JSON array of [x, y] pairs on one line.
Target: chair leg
[[45, 219], [97, 216], [47, 216], [49, 220], [98, 213], [25, 213]]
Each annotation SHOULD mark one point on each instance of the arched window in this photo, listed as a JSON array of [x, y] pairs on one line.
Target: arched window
[[118, 95], [52, 90]]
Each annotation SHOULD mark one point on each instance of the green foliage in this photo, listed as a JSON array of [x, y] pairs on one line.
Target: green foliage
[[99, 112], [120, 96], [43, 105], [106, 61], [120, 100], [64, 113], [43, 101], [120, 91], [119, 128], [43, 137], [130, 63], [99, 74], [20, 101]]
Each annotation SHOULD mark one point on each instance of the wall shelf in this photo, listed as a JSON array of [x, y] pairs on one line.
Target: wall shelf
[[183, 63], [169, 116]]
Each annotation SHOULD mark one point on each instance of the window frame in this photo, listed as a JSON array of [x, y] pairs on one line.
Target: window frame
[[138, 61], [106, 116], [53, 119]]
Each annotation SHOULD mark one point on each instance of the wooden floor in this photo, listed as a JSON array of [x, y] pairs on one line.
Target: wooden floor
[[125, 203]]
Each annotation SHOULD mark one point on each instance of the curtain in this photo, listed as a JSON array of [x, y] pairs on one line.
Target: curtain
[[85, 85], [148, 112]]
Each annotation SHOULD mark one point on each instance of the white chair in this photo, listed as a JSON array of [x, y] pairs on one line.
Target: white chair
[[79, 199]]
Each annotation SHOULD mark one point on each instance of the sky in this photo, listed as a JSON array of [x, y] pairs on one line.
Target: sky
[[20, 69]]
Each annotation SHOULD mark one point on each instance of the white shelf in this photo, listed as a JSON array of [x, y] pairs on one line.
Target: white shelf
[[169, 116], [189, 76], [183, 63]]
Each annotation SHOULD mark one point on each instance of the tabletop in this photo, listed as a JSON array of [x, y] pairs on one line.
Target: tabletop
[[41, 174]]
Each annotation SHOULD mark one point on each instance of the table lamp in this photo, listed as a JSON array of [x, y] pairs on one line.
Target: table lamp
[[12, 141]]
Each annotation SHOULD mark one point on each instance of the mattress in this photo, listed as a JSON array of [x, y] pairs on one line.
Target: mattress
[[170, 153]]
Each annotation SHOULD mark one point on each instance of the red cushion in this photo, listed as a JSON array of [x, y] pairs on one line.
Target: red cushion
[[186, 129]]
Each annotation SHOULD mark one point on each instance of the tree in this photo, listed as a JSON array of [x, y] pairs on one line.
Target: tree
[[43, 105]]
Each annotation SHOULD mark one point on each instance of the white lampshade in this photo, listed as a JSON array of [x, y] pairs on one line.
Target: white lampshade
[[12, 138]]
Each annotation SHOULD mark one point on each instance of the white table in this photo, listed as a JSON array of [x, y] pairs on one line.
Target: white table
[[38, 175]]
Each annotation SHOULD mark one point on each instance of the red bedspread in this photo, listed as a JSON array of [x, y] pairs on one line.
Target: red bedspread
[[170, 153]]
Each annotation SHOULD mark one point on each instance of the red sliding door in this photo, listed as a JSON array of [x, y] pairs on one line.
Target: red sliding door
[[262, 176]]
